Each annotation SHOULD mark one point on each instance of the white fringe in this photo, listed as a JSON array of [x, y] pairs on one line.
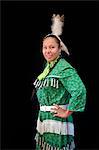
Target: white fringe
[[45, 146], [47, 82], [53, 126], [57, 84]]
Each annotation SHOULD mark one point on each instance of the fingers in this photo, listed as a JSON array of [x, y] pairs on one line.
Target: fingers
[[55, 108], [56, 115], [58, 111]]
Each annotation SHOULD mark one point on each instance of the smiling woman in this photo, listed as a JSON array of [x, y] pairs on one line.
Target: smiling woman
[[60, 92], [51, 48]]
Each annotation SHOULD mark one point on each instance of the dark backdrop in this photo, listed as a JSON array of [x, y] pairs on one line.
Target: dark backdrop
[[23, 25]]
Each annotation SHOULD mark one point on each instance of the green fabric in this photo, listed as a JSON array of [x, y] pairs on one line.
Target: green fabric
[[71, 91], [52, 139], [48, 115], [71, 88], [74, 85]]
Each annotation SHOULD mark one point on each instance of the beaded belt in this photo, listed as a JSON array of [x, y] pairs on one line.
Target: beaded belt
[[48, 108]]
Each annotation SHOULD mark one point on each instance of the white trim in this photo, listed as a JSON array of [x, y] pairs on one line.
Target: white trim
[[53, 76], [54, 126], [48, 108]]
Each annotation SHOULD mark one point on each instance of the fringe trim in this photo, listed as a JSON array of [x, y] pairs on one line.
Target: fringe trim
[[53, 82], [53, 126], [45, 146]]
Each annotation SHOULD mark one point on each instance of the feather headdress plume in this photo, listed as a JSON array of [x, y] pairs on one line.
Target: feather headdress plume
[[57, 24], [57, 29]]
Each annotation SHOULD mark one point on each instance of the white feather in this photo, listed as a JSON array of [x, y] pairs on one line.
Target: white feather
[[57, 29], [57, 25]]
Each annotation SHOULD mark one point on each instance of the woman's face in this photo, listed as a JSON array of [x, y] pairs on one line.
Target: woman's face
[[51, 49]]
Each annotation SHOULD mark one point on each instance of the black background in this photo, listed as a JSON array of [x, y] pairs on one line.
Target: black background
[[23, 26]]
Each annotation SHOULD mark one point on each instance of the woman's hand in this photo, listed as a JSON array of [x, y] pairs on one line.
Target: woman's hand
[[60, 112]]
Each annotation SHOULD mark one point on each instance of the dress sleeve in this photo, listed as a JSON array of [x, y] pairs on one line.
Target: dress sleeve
[[74, 85]]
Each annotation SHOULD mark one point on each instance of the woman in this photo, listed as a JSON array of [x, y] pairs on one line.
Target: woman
[[60, 92]]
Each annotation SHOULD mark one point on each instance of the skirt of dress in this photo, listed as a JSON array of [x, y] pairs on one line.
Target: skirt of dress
[[54, 133]]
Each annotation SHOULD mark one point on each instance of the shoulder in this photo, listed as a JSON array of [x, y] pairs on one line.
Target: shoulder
[[63, 64], [62, 68]]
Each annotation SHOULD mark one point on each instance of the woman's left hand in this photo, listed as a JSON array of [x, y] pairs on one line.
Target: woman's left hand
[[60, 112]]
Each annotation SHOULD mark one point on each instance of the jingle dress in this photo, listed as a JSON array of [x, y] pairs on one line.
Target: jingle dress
[[64, 87]]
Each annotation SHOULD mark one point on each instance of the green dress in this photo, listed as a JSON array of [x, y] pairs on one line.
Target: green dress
[[61, 86]]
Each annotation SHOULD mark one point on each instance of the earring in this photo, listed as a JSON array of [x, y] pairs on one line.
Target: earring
[[60, 52]]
